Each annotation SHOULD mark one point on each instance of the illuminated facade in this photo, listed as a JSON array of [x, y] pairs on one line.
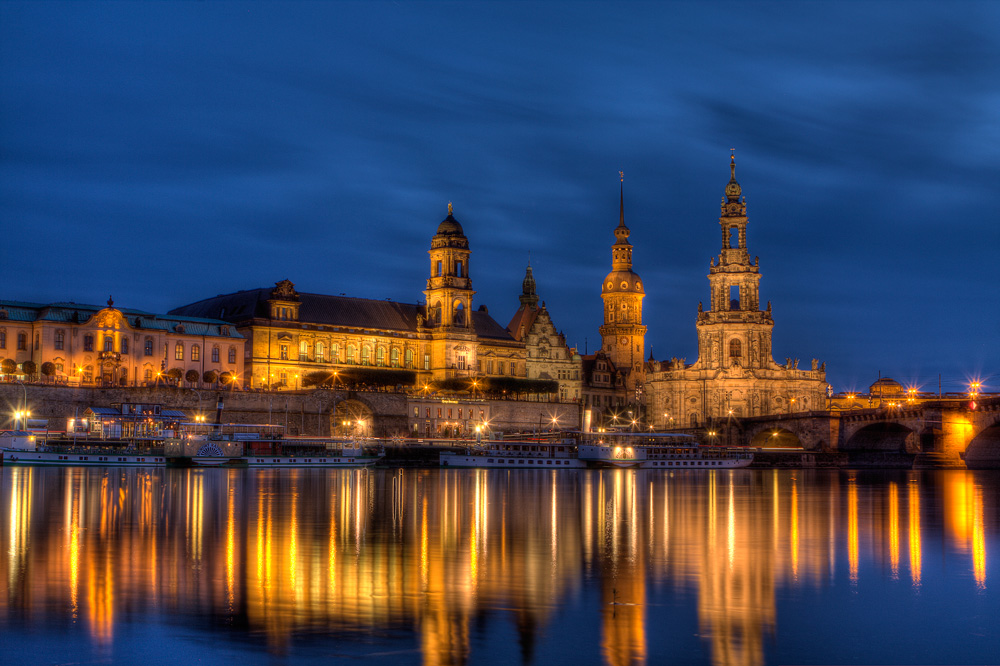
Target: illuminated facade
[[623, 334], [290, 333], [548, 355], [87, 344], [735, 374]]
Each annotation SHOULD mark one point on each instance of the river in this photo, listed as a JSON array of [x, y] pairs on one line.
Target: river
[[164, 566]]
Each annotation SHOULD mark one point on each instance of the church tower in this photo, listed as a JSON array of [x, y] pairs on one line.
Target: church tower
[[449, 289], [623, 335], [734, 333]]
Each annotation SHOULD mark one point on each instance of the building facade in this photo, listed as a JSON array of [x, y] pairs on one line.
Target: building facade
[[548, 357], [623, 333], [76, 344], [290, 334], [735, 374]]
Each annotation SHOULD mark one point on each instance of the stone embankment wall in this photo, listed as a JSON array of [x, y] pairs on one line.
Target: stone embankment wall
[[301, 412]]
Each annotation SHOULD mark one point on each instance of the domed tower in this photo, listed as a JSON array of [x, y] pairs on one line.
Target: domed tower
[[735, 332], [623, 335], [449, 288]]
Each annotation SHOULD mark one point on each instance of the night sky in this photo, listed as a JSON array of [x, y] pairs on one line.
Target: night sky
[[165, 153]]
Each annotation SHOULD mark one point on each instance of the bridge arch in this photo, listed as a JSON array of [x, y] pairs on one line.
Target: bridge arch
[[883, 436], [983, 451], [776, 438], [352, 417]]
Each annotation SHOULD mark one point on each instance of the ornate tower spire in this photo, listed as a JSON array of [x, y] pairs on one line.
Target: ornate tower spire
[[623, 334], [528, 296]]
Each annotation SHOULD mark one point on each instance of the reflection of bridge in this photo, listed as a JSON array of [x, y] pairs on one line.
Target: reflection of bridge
[[942, 433]]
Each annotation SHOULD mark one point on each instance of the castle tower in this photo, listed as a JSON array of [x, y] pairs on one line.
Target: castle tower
[[734, 332], [449, 288], [623, 335]]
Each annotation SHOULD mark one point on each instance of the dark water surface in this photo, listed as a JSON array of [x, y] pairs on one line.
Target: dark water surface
[[164, 566]]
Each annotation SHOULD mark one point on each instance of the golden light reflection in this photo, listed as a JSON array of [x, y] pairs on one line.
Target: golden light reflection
[[978, 541], [794, 540], [894, 530], [852, 529], [915, 555]]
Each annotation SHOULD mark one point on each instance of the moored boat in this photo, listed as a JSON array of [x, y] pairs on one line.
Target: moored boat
[[520, 454], [658, 451], [23, 448]]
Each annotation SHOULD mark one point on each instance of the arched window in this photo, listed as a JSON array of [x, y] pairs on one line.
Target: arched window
[[215, 354], [148, 374], [366, 355], [350, 353], [320, 352], [124, 345], [436, 314], [459, 318], [408, 358], [148, 347], [88, 342], [335, 353], [179, 351], [735, 349], [60, 339], [380, 356], [232, 354], [394, 357], [195, 352], [109, 343]]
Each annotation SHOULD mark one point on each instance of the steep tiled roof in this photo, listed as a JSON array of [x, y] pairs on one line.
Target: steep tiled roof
[[525, 316], [79, 313]]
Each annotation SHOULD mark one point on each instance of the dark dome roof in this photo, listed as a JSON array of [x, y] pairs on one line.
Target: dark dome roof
[[450, 227]]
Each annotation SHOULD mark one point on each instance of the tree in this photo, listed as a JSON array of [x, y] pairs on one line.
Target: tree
[[226, 378], [175, 374], [29, 368], [210, 377], [191, 376], [48, 368], [9, 366], [318, 379]]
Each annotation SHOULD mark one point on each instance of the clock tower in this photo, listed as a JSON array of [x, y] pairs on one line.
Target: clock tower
[[623, 335]]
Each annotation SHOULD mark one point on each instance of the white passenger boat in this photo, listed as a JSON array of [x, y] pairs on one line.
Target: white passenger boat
[[657, 451], [258, 445], [22, 448], [521, 454]]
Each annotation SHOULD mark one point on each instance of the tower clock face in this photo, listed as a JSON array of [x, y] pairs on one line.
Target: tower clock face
[[623, 340]]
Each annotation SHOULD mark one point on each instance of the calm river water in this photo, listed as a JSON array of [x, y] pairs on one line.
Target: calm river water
[[164, 566]]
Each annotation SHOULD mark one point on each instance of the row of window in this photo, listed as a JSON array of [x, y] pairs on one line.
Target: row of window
[[352, 356], [108, 345], [469, 413]]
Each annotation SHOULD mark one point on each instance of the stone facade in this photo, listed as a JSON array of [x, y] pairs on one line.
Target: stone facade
[[78, 344], [623, 334], [735, 374], [548, 355], [290, 333]]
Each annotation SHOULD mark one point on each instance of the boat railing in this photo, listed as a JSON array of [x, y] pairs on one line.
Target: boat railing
[[100, 450]]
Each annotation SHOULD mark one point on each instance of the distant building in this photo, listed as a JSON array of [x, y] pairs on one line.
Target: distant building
[[603, 391], [290, 333], [86, 344], [735, 374], [548, 355]]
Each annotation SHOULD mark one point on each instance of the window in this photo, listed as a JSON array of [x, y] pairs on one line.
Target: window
[[350, 353], [489, 367], [409, 358], [427, 361], [22, 341], [735, 348], [215, 354], [232, 354], [734, 297], [148, 375], [60, 339], [303, 351], [284, 378], [195, 353], [88, 342], [380, 356], [461, 362], [394, 357], [283, 352], [458, 268], [320, 352], [124, 345], [366, 355], [500, 367], [109, 343], [335, 353], [437, 269], [59, 368], [148, 349], [3, 339], [179, 351]]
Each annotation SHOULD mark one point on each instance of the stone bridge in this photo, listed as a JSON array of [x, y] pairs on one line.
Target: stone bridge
[[940, 433]]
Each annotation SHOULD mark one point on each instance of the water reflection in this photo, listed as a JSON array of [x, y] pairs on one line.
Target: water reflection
[[432, 555]]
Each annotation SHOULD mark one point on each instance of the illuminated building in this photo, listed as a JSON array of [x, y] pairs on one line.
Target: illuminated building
[[290, 333], [76, 344], [548, 355], [735, 374]]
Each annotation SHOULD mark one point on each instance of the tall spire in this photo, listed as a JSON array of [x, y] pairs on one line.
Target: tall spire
[[621, 208], [528, 296]]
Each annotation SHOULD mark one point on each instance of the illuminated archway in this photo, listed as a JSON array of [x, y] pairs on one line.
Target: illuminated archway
[[983, 451], [883, 437]]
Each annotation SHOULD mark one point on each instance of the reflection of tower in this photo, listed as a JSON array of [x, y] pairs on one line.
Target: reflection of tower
[[623, 335], [735, 332], [623, 589]]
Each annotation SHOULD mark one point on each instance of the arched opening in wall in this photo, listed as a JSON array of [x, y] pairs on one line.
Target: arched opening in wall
[[352, 418], [735, 351], [436, 314], [459, 316], [882, 437], [983, 451], [693, 419], [776, 438], [734, 297], [734, 237]]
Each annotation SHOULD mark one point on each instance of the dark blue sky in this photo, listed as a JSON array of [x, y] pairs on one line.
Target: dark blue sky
[[165, 153]]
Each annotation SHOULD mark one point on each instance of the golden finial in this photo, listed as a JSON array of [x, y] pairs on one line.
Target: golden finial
[[449, 208], [622, 174]]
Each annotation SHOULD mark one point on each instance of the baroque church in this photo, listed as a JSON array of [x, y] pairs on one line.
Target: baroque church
[[735, 374]]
